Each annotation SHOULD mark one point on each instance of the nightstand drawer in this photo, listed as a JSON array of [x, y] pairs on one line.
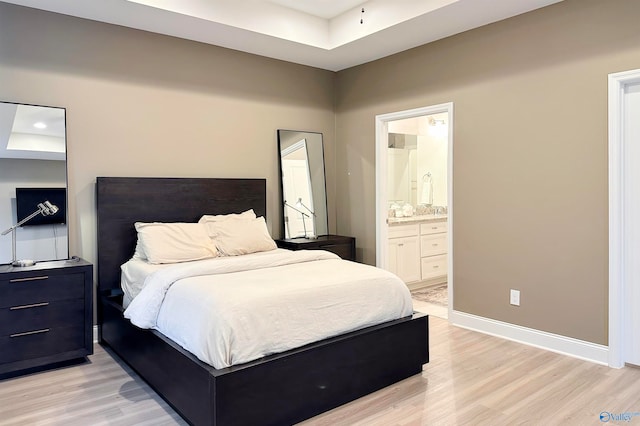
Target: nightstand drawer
[[41, 288], [40, 342], [36, 316], [342, 250], [343, 246]]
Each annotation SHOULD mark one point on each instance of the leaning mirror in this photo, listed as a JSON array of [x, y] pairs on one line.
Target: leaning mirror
[[33, 183], [304, 195]]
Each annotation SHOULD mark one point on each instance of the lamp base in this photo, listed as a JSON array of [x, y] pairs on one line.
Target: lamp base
[[23, 263]]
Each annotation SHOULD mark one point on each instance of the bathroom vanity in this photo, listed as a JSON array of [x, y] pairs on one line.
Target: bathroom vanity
[[417, 249]]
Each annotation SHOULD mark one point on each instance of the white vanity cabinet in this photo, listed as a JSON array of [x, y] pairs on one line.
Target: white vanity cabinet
[[404, 252], [418, 250], [433, 250]]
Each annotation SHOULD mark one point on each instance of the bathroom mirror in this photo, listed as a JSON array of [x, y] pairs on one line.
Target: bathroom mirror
[[417, 163], [33, 169], [303, 194]]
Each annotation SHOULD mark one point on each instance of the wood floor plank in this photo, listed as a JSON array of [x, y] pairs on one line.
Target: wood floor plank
[[472, 379]]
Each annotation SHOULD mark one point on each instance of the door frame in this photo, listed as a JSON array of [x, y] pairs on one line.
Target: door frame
[[617, 237], [382, 210]]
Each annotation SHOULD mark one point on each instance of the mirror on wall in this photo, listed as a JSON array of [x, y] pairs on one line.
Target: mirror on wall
[[303, 195], [33, 183]]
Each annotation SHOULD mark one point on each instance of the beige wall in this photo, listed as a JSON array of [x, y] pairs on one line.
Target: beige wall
[[142, 104], [530, 156]]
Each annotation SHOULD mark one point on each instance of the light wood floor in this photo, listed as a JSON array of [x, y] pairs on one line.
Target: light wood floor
[[472, 379]]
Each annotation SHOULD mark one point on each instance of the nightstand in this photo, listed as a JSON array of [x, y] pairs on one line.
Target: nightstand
[[345, 247], [46, 314]]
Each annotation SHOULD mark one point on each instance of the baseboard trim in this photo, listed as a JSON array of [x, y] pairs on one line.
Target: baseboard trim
[[552, 342]]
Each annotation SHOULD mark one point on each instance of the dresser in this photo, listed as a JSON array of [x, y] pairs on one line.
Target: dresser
[[46, 314], [345, 247]]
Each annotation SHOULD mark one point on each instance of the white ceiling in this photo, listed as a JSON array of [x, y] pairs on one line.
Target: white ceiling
[[320, 33], [326, 9]]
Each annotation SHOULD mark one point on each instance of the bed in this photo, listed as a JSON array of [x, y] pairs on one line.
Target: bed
[[278, 389]]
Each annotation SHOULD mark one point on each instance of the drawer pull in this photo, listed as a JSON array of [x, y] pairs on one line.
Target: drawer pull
[[34, 305], [436, 266], [28, 333], [19, 280], [435, 244]]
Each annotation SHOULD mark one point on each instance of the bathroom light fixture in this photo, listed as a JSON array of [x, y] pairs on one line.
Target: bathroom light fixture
[[45, 209], [434, 122], [40, 125]]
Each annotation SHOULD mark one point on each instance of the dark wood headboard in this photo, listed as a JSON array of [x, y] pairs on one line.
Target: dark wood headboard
[[122, 201]]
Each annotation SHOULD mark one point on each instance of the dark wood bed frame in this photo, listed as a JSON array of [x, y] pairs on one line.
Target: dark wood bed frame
[[276, 390]]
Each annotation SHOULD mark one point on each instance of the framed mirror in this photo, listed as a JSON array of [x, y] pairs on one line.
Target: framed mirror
[[33, 183], [303, 194]]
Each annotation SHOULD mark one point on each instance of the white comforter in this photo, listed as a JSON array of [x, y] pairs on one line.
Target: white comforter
[[228, 311]]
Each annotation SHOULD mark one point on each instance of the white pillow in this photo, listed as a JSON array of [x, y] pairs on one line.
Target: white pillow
[[139, 253], [211, 220], [249, 214], [236, 237], [174, 242]]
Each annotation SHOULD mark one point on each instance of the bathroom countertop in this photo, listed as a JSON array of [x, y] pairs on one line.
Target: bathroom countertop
[[417, 218]]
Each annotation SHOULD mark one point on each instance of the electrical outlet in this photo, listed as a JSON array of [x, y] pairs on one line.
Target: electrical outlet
[[515, 297]]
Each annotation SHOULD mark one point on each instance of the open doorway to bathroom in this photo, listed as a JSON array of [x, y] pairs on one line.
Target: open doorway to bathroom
[[414, 203]]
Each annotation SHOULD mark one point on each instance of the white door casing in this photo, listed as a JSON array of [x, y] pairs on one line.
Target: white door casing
[[382, 138], [624, 219], [631, 215]]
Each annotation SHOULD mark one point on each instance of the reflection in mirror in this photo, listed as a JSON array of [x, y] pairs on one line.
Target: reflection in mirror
[[304, 197], [417, 165], [33, 181]]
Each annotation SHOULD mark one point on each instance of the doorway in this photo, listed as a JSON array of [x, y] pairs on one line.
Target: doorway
[[624, 218], [418, 246]]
